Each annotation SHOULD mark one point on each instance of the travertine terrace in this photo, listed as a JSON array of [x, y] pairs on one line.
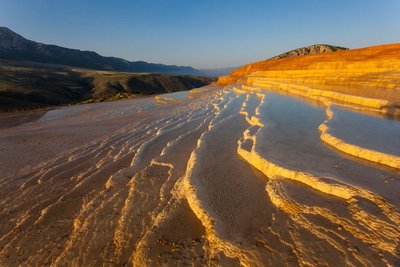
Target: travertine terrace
[[368, 77], [275, 168]]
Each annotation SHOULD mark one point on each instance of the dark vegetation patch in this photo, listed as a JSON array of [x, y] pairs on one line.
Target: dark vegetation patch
[[34, 86]]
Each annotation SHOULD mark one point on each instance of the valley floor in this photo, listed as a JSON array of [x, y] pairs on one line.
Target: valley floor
[[220, 177]]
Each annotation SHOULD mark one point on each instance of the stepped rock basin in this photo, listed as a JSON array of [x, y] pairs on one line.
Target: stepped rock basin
[[224, 176]]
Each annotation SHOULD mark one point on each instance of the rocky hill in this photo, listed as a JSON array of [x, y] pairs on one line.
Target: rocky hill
[[310, 50], [15, 47]]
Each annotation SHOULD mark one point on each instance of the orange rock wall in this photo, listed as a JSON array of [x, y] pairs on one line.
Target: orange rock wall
[[372, 73]]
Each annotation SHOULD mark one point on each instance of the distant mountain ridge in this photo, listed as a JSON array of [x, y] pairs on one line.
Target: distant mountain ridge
[[310, 50], [217, 72], [17, 48]]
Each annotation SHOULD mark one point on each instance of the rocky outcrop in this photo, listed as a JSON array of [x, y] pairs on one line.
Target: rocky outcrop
[[310, 50]]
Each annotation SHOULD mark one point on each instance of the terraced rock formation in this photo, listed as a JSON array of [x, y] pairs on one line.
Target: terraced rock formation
[[217, 177], [296, 163], [368, 77]]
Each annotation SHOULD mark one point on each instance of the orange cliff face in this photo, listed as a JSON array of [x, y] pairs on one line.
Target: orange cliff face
[[372, 72]]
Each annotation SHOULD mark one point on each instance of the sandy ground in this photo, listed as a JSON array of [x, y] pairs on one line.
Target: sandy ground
[[224, 177]]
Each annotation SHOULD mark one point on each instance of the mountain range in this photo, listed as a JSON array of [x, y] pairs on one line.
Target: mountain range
[[14, 47], [217, 72]]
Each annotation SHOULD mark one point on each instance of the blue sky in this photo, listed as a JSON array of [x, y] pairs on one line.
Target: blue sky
[[202, 33]]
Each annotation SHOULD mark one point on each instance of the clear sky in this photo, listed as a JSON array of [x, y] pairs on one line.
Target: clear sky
[[202, 33]]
